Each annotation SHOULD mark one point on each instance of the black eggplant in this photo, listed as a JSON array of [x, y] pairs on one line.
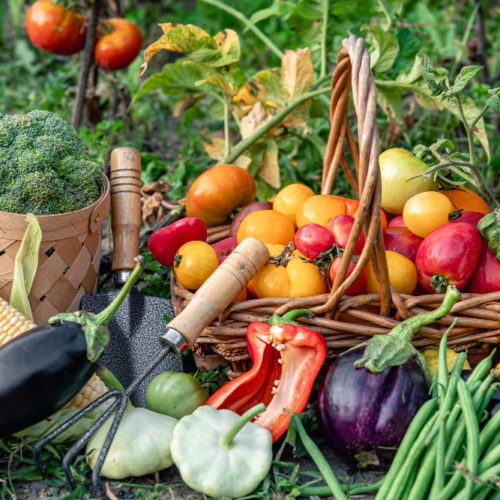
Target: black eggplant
[[371, 392], [45, 367]]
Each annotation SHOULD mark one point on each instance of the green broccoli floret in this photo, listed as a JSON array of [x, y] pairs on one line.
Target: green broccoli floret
[[44, 166]]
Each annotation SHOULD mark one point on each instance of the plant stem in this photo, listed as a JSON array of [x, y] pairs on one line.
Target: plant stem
[[249, 24], [227, 439], [227, 146], [480, 183], [324, 29], [243, 145]]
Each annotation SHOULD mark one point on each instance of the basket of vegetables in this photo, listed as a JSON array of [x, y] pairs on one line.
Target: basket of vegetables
[[45, 171], [338, 257]]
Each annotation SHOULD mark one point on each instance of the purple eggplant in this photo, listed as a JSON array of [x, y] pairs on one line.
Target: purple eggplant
[[371, 392]]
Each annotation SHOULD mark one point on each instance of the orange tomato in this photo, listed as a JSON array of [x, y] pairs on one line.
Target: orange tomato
[[296, 279], [352, 206], [290, 199], [319, 209], [425, 212], [269, 226], [194, 262], [467, 200], [402, 274], [242, 296], [218, 191]]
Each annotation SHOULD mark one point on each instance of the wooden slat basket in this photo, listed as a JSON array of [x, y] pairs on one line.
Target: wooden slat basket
[[348, 320], [69, 258]]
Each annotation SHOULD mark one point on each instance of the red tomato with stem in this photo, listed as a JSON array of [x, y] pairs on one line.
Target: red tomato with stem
[[359, 285], [403, 241], [53, 28], [486, 276], [341, 228], [118, 48], [312, 239], [251, 207], [469, 217], [225, 247], [448, 255], [165, 242]]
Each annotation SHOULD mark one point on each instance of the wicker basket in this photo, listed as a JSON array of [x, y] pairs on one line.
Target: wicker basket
[[68, 263], [348, 320]]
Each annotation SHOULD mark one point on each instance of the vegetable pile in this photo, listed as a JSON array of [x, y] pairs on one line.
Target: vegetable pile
[[44, 166]]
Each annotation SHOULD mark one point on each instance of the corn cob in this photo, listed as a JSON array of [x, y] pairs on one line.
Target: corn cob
[[13, 323]]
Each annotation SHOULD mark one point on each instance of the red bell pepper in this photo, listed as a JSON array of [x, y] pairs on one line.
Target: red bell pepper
[[286, 360]]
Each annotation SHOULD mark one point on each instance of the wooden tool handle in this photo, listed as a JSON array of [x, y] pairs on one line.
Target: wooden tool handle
[[125, 179], [221, 288]]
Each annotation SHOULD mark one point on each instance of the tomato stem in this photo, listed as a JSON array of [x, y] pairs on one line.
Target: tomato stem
[[439, 282]]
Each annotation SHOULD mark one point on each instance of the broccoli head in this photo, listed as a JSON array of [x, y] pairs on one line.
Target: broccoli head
[[44, 166]]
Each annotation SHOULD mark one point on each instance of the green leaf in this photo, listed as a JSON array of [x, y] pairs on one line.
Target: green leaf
[[383, 49], [494, 100], [175, 78], [409, 45], [278, 8], [270, 87], [467, 73], [489, 226], [391, 102], [220, 82]]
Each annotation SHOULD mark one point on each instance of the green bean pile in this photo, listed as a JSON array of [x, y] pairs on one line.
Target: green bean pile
[[444, 454]]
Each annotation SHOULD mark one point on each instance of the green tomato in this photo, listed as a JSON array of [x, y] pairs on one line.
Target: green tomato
[[396, 166], [175, 394]]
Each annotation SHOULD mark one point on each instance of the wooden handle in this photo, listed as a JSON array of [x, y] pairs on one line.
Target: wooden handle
[[125, 179], [221, 288]]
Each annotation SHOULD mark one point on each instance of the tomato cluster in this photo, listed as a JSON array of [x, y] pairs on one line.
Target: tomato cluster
[[53, 28], [434, 242]]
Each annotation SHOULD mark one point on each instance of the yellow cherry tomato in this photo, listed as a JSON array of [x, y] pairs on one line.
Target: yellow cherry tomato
[[290, 199], [432, 358], [426, 211], [319, 209], [194, 262], [269, 226], [295, 279], [402, 274]]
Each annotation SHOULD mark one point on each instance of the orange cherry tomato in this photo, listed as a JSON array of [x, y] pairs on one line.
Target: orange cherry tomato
[[194, 262], [296, 279], [218, 191], [403, 274], [425, 212], [319, 209], [467, 200], [269, 226], [290, 199]]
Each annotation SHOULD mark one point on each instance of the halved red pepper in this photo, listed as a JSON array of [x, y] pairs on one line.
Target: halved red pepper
[[286, 360]]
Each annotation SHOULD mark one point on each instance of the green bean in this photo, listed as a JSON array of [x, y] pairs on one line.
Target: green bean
[[493, 443], [319, 460], [415, 429], [489, 431], [481, 370], [489, 460], [472, 434], [442, 378], [458, 366], [325, 491], [485, 477], [414, 454]]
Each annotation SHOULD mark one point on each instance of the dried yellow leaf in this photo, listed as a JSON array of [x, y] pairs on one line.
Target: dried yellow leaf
[[253, 120], [215, 149], [270, 170], [297, 72]]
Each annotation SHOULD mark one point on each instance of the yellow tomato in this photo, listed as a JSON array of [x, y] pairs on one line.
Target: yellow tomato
[[296, 279], [426, 211], [269, 226], [194, 262], [290, 199], [319, 209], [432, 358], [402, 274]]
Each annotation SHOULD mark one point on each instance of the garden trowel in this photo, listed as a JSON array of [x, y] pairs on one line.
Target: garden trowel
[[140, 320]]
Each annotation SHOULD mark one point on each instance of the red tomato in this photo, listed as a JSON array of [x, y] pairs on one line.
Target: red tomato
[[251, 207], [352, 206], [341, 228], [165, 242], [117, 49], [469, 217], [225, 247], [55, 29], [448, 255], [312, 239], [403, 241], [359, 285], [486, 276], [397, 222]]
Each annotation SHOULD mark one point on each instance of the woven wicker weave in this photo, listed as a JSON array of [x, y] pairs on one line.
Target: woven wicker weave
[[348, 320], [69, 257]]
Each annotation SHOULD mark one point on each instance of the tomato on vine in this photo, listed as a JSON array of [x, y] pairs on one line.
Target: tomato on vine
[[117, 48], [53, 28]]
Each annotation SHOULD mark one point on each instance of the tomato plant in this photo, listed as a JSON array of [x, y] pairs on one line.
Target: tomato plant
[[117, 48], [53, 28], [269, 226], [218, 191], [194, 262]]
